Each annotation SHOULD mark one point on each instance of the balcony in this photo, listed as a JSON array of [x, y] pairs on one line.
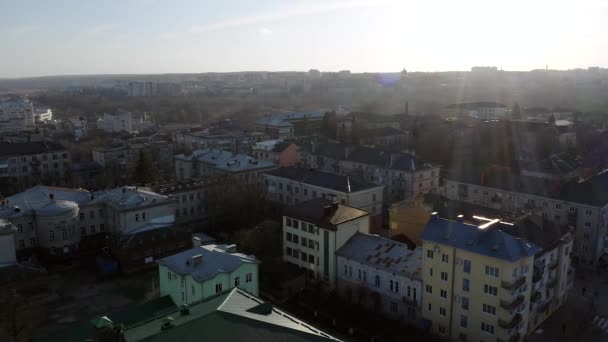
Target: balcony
[[537, 274], [535, 297], [553, 265], [552, 283], [514, 285], [510, 324], [510, 305]]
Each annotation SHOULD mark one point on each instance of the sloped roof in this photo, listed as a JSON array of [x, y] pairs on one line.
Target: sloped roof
[[215, 260], [383, 253], [322, 179], [228, 317], [18, 149], [314, 211], [492, 241], [225, 160]]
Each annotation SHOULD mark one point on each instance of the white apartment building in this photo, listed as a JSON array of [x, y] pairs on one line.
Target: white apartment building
[[382, 275], [16, 114], [314, 230], [42, 115], [581, 205]]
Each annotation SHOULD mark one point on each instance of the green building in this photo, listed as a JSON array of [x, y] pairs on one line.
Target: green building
[[204, 271]]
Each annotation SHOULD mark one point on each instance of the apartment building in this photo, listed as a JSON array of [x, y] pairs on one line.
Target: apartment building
[[206, 162], [381, 274], [125, 156], [123, 121], [283, 125], [314, 230], [42, 115], [31, 162], [16, 114], [581, 204], [54, 220], [195, 199], [468, 272], [480, 281], [478, 110], [403, 174], [282, 153], [205, 271]]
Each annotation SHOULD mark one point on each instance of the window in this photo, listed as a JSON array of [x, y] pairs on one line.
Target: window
[[444, 258], [345, 269], [430, 306], [102, 227], [295, 224], [218, 288], [91, 214], [587, 224], [52, 251], [431, 272], [489, 309], [443, 294], [51, 235], [466, 284], [237, 282], [288, 222], [249, 277], [394, 307], [32, 242], [288, 251], [137, 216], [487, 328], [464, 303], [428, 288], [442, 311], [588, 211], [21, 244], [304, 256], [462, 337], [491, 290], [92, 229], [377, 282], [311, 259], [396, 287], [193, 290], [464, 321], [304, 241], [429, 254], [296, 253], [288, 237], [81, 216], [64, 234], [143, 215], [296, 238], [444, 276], [391, 285], [466, 266], [20, 228], [30, 225], [492, 271]]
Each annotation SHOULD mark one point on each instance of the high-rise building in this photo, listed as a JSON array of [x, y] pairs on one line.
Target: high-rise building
[[16, 114]]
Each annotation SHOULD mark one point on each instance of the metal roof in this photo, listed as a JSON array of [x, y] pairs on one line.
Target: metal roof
[[323, 179]]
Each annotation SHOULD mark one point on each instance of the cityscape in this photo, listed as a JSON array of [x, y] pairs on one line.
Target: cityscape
[[176, 201]]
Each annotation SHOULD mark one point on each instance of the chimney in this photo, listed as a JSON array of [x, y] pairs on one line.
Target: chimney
[[434, 215], [196, 259], [460, 218]]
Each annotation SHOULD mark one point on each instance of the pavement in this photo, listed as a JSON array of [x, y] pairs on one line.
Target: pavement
[[583, 317]]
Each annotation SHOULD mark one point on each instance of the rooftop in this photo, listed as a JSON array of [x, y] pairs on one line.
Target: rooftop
[[368, 155], [476, 105], [383, 253], [488, 239], [322, 179], [284, 119], [557, 164], [324, 213], [225, 160], [214, 259], [39, 199], [19, 149], [277, 145]]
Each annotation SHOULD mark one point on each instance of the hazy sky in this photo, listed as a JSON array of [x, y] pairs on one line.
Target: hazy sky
[[62, 37]]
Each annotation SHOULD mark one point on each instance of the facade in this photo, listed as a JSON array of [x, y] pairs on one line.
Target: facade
[[16, 114], [280, 152], [125, 156], [382, 274], [122, 121], [42, 115], [206, 162], [78, 127], [54, 220], [8, 256], [293, 185], [203, 140], [35, 161], [314, 230], [205, 271], [403, 174], [195, 199], [283, 125], [581, 205], [479, 110]]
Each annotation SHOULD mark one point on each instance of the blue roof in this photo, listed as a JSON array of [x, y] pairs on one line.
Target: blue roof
[[491, 241]]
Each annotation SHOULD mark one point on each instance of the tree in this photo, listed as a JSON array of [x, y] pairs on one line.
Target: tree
[[328, 126], [516, 111], [144, 172]]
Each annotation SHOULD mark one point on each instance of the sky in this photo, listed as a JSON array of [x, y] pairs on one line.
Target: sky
[[71, 37]]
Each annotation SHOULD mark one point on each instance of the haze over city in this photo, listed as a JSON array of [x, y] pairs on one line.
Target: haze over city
[[69, 37]]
